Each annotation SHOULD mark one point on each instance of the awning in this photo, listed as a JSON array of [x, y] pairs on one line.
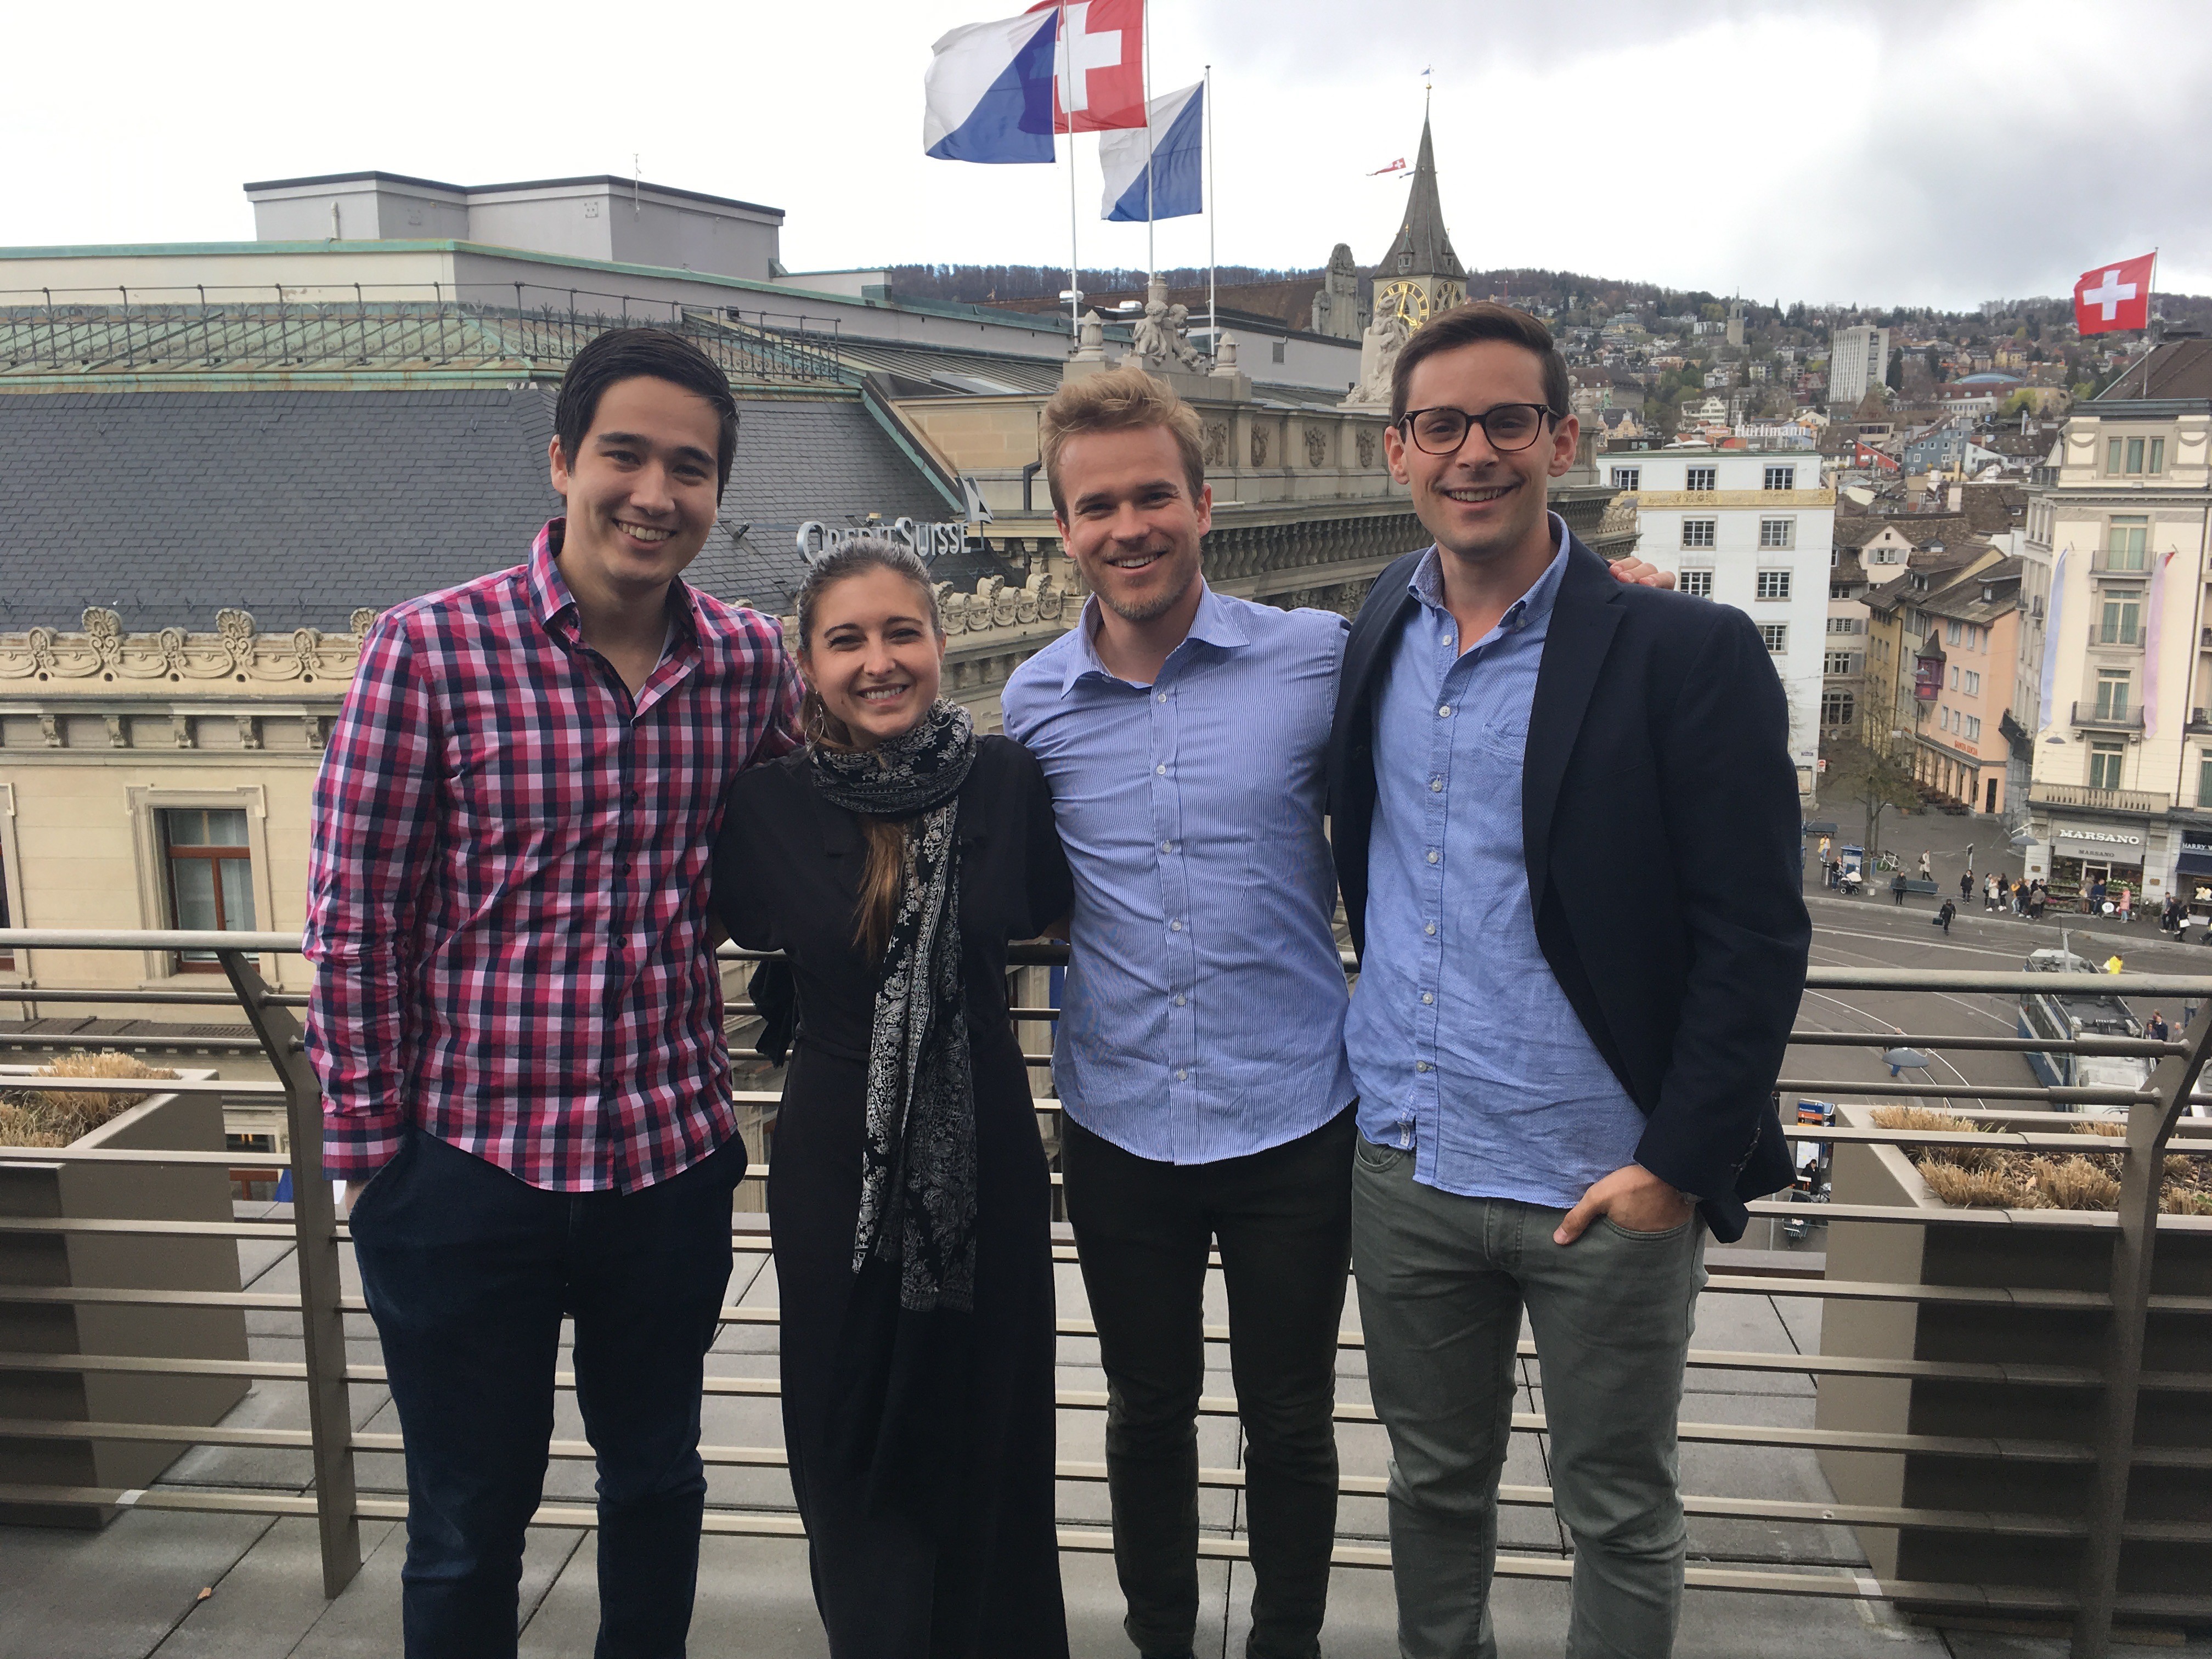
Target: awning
[[2194, 863]]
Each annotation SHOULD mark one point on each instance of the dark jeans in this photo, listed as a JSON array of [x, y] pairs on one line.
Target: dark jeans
[[1283, 1218], [468, 1271]]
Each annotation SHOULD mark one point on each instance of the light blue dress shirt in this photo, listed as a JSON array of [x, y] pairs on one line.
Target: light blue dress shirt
[[1203, 1016], [1464, 1047]]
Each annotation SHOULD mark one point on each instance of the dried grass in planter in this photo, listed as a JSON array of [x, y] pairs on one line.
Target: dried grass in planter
[[2002, 1178], [54, 1117]]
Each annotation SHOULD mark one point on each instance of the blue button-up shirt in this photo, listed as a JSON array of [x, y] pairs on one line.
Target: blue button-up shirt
[[1203, 1016], [1465, 1048]]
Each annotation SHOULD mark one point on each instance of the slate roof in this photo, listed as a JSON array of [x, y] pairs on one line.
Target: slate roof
[[2173, 369], [1422, 236], [302, 506]]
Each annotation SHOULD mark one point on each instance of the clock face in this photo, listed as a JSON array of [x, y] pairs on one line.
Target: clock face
[[1410, 300]]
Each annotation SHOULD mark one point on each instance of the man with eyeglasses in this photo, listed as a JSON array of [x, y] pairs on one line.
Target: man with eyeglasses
[[1554, 1087]]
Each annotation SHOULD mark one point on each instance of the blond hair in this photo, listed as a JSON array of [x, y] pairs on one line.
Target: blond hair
[[1120, 400]]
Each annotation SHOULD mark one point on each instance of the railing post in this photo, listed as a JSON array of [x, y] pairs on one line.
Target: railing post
[[2142, 1172], [315, 1222]]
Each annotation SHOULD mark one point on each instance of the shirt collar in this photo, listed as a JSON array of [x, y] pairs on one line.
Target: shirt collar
[[552, 600], [1532, 608], [1214, 624]]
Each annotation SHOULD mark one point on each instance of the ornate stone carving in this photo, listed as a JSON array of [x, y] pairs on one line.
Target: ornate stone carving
[[249, 731], [119, 731], [363, 619], [1316, 446], [50, 727], [181, 731], [1217, 443], [1259, 445], [234, 651], [1378, 355], [318, 731], [1366, 446]]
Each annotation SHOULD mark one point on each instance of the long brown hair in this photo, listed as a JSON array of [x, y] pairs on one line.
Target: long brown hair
[[886, 837]]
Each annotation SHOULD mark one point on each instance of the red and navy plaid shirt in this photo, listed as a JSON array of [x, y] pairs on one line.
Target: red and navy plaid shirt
[[506, 892]]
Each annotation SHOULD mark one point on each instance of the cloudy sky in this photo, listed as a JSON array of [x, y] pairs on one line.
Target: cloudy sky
[[1883, 152]]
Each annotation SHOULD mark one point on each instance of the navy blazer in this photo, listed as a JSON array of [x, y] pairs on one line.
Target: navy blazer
[[1660, 826]]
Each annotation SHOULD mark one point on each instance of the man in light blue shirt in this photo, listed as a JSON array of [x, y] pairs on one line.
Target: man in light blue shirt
[[1470, 1057], [1200, 1058]]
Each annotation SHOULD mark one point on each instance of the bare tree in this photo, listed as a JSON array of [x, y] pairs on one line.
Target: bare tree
[[1875, 770]]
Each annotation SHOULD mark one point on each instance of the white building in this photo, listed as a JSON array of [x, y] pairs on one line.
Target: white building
[[1753, 528], [2122, 784], [1858, 360]]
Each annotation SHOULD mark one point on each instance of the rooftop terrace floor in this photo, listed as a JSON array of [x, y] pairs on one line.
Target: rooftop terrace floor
[[232, 1587]]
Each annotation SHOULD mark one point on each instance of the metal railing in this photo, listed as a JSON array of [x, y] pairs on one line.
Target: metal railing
[[431, 332], [2114, 1367]]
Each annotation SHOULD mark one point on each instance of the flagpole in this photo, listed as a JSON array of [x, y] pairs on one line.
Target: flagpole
[[1212, 319], [1074, 287], [1152, 259]]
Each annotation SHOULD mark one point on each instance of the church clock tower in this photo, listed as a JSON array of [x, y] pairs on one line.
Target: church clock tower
[[1420, 275]]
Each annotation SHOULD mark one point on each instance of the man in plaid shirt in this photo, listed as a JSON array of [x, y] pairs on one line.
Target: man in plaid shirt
[[517, 1016]]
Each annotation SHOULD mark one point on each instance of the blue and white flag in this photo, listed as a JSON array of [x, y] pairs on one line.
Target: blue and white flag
[[1178, 135], [988, 93]]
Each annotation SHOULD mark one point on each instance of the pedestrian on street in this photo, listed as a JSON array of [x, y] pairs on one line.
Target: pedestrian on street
[[2156, 1029], [1945, 914], [1897, 889], [2097, 896], [1966, 886], [1927, 870], [1990, 893]]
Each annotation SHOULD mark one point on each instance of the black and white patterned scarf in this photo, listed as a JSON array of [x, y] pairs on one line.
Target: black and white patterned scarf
[[917, 1164]]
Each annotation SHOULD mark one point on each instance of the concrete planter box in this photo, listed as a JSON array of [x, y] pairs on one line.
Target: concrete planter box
[[2058, 1259], [32, 1186]]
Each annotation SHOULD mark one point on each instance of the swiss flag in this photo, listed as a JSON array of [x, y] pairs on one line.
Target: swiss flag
[[1098, 64], [2115, 296]]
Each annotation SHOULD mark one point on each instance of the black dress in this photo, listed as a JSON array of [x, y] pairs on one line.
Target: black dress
[[975, 1571]]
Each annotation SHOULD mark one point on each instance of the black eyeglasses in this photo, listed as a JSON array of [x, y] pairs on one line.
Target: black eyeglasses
[[1508, 427]]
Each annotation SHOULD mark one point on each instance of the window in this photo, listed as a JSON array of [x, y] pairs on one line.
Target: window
[[1628, 478], [1773, 585], [1973, 683], [1278, 348], [1838, 662], [2114, 448], [1697, 532], [2123, 611], [210, 876], [1951, 635], [2112, 693], [1782, 478], [1840, 708], [1778, 532], [2157, 456], [1974, 728], [1776, 635], [1697, 584], [1844, 625], [2104, 765], [1954, 679], [2124, 544], [2134, 454], [2204, 778], [1699, 478]]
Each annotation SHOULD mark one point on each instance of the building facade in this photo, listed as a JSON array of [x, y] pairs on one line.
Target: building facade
[[1750, 528], [2122, 784], [1858, 362]]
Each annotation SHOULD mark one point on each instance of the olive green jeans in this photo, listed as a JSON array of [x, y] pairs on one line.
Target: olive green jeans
[[1442, 1281]]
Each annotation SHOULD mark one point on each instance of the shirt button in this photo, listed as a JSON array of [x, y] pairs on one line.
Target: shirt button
[[1420, 1065], [1175, 927], [1181, 1076], [1436, 786], [1179, 1002], [1428, 996], [1161, 769], [1429, 928], [1164, 696], [1433, 855], [1443, 711], [1167, 846]]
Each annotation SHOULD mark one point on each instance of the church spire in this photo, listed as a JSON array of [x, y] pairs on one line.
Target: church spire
[[1423, 246]]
